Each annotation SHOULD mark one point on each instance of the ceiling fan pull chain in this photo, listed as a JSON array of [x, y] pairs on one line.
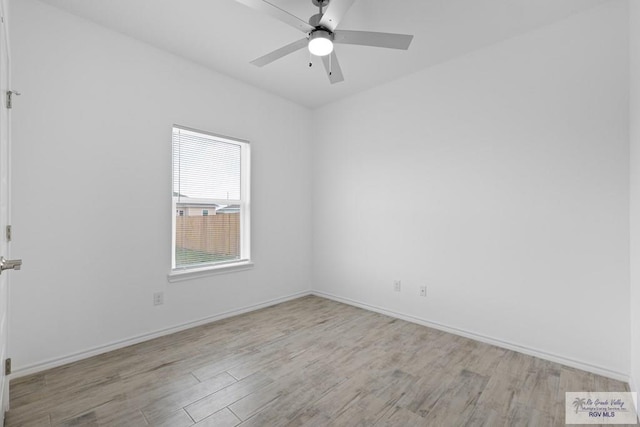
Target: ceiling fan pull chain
[[310, 63]]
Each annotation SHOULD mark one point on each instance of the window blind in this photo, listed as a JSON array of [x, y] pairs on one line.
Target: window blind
[[205, 168]]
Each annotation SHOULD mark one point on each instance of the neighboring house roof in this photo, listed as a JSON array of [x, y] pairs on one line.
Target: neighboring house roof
[[228, 209], [218, 208]]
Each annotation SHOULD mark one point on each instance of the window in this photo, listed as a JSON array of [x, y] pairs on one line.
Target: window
[[210, 201]]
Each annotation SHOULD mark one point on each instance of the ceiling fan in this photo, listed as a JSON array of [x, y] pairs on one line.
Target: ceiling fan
[[322, 34]]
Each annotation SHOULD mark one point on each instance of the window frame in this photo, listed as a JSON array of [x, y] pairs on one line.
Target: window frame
[[186, 272]]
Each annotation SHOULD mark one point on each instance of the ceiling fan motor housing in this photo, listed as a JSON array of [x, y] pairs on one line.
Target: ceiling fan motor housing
[[314, 21], [321, 33], [320, 3]]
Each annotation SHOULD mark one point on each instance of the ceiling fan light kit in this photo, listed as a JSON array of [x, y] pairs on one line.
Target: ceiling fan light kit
[[321, 34], [320, 43]]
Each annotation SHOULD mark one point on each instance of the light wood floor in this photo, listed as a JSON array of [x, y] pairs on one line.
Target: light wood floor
[[306, 362]]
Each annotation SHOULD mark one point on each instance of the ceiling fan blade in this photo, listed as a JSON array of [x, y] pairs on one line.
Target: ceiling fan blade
[[370, 38], [334, 13], [333, 68], [279, 53], [277, 13]]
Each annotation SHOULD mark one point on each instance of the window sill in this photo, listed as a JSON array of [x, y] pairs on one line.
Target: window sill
[[194, 273]]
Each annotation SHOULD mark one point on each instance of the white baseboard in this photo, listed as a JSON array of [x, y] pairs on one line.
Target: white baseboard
[[53, 363], [620, 376]]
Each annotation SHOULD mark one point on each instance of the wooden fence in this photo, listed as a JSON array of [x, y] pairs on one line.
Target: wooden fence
[[213, 234]]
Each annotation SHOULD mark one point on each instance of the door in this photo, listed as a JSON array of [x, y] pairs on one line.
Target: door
[[5, 151]]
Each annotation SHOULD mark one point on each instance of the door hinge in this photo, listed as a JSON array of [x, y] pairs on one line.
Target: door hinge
[[10, 94], [7, 366], [8, 233]]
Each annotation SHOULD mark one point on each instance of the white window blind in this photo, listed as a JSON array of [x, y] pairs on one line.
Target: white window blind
[[210, 200]]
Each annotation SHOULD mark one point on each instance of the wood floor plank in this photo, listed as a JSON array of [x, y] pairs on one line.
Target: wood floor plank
[[570, 380], [497, 400], [24, 389], [539, 386], [398, 416], [227, 396], [370, 393], [306, 362], [525, 416], [161, 408], [607, 384], [456, 404], [177, 418], [116, 412], [223, 418], [285, 397], [422, 395], [483, 416], [224, 364], [22, 420]]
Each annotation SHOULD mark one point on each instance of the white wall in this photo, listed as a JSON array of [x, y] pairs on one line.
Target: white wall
[[500, 180], [634, 13], [92, 182]]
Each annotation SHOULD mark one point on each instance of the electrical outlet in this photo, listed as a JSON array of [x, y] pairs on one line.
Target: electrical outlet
[[423, 291], [397, 285], [158, 298]]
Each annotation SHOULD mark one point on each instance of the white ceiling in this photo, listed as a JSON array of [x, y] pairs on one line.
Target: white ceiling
[[225, 36]]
